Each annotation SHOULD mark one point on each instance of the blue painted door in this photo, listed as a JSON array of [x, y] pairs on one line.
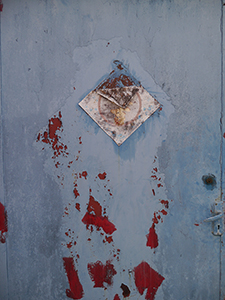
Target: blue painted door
[[84, 218]]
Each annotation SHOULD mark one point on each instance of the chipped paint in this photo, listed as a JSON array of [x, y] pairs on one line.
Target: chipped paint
[[101, 274], [3, 223], [51, 137], [147, 278], [152, 237], [94, 217], [76, 289], [96, 211]]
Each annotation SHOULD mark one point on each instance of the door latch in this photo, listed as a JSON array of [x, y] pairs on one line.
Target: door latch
[[216, 219]]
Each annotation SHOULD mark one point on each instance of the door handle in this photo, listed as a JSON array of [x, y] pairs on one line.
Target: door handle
[[217, 213], [214, 218]]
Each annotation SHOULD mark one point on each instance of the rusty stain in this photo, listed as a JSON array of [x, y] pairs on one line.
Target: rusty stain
[[209, 181], [120, 96], [126, 290]]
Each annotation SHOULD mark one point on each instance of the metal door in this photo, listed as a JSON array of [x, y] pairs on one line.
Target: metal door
[[80, 216]]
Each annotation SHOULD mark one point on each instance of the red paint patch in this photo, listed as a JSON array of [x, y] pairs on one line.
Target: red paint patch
[[163, 212], [51, 137], [153, 192], [69, 245], [99, 222], [196, 224], [147, 278], [57, 164], [152, 238], [100, 273], [3, 223], [224, 135], [94, 206], [76, 289], [1, 5], [116, 297], [84, 174], [155, 219], [76, 193], [102, 176], [108, 239], [77, 206], [165, 203], [80, 142]]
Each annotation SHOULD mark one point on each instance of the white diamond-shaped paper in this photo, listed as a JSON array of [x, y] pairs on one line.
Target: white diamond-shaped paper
[[119, 105]]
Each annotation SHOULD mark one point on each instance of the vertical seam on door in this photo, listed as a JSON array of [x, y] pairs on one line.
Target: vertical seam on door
[[221, 138], [2, 149]]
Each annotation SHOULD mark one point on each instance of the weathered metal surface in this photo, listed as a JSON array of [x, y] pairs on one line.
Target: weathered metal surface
[[119, 108], [96, 216], [87, 219]]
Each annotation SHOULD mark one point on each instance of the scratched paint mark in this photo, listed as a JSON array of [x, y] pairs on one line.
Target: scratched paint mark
[[76, 289], [125, 289], [94, 217], [116, 297], [1, 5], [153, 192], [147, 278], [3, 223], [101, 274], [102, 176]]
